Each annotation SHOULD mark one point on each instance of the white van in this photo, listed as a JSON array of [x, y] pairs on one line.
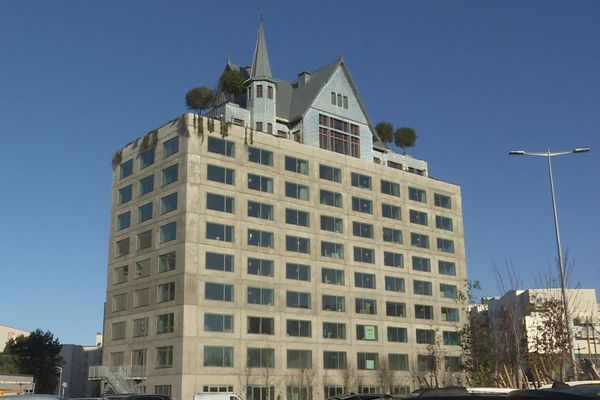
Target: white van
[[216, 396]]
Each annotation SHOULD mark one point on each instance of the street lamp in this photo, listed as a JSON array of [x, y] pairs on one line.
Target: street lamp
[[60, 370], [561, 263]]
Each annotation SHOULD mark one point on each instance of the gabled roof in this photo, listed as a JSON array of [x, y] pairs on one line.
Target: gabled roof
[[261, 68]]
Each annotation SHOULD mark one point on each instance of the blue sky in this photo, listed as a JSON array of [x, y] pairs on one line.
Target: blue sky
[[79, 79]]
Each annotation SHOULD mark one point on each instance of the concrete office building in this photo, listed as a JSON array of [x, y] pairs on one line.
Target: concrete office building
[[280, 250]]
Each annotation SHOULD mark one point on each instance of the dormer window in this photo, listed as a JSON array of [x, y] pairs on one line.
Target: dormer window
[[259, 91]]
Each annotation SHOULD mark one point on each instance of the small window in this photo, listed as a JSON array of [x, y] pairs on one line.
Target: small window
[[447, 268], [442, 201], [259, 126], [165, 323], [330, 173], [122, 247], [362, 254], [296, 191], [332, 224], [423, 312], [141, 297], [260, 183], [334, 330], [392, 235], [297, 299], [297, 244], [169, 175], [218, 261], [261, 238], [171, 147], [364, 280], [164, 357], [261, 325], [144, 240], [124, 220], [395, 309], [398, 362], [168, 203], [418, 217], [445, 245], [219, 202], [334, 360], [421, 264], [298, 328], [367, 361], [126, 169], [334, 303], [391, 188], [167, 262], [218, 291], [146, 185], [390, 211], [260, 210], [366, 306], [397, 335], [218, 356], [261, 358], [218, 323], [332, 250], [165, 292], [361, 181], [168, 232], [339, 100], [345, 102], [448, 291], [119, 302], [419, 195], [419, 240], [270, 92], [444, 223], [362, 229], [362, 205], [296, 217], [391, 259], [220, 232], [118, 331], [422, 288], [145, 212], [147, 158], [260, 267], [366, 332], [451, 338], [125, 194], [142, 269], [332, 276], [121, 274], [450, 314], [296, 165], [452, 364], [259, 91], [220, 174], [140, 327], [260, 156], [330, 198], [221, 146], [299, 272], [394, 284], [333, 98]]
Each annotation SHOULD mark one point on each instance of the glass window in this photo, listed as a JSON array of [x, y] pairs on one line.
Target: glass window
[[142, 269], [419, 195], [361, 181], [426, 363], [419, 240], [126, 169], [119, 302], [144, 240], [261, 325], [218, 291], [423, 312], [397, 334], [296, 217], [330, 198], [164, 357], [298, 328], [451, 338], [398, 362], [422, 288], [445, 245], [165, 323], [447, 268], [448, 291], [450, 314], [261, 358], [122, 247], [393, 259], [332, 224], [262, 296], [299, 359], [121, 274], [168, 203], [169, 175], [118, 331], [334, 303], [418, 217], [260, 210], [395, 309], [141, 297], [442, 201], [260, 183], [296, 165], [362, 229], [366, 332], [391, 188], [444, 223], [346, 102], [332, 276], [333, 98], [334, 330], [147, 158], [220, 232], [362, 205], [218, 323], [260, 156], [390, 211], [140, 327], [425, 336], [330, 173], [452, 364], [259, 125], [218, 356], [392, 235], [170, 147], [124, 220], [334, 360], [221, 146], [220, 174], [167, 262], [165, 292], [168, 232], [261, 267], [125, 194], [219, 202], [297, 244], [297, 299], [146, 185], [367, 361], [364, 280], [145, 212], [421, 264], [296, 191], [394, 284], [298, 272], [261, 238], [218, 261], [366, 306], [362, 254]]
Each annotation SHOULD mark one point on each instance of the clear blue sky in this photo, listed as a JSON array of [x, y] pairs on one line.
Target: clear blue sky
[[79, 79]]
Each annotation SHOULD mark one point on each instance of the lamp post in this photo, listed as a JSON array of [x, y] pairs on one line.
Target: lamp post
[[60, 370], [561, 263]]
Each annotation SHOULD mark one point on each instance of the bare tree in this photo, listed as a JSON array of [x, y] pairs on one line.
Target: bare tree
[[246, 380], [350, 378], [385, 375]]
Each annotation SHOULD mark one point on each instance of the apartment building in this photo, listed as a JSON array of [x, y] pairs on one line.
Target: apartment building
[[297, 260]]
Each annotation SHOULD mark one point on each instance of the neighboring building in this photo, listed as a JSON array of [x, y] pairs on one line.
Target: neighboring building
[[8, 332], [242, 260], [76, 364], [16, 384]]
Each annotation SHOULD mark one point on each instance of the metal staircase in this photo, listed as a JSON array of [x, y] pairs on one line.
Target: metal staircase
[[121, 379]]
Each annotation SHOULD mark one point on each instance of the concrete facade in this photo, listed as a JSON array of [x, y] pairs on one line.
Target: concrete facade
[[8, 332], [158, 307]]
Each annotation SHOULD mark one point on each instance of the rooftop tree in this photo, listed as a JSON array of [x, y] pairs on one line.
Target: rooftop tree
[[404, 138], [231, 83], [199, 99]]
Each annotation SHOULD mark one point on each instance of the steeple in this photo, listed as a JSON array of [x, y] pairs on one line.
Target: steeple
[[261, 68]]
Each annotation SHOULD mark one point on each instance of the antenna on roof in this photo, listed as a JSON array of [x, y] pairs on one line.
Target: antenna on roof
[[341, 56]]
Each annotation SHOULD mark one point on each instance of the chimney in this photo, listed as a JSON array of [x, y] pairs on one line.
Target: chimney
[[303, 78]]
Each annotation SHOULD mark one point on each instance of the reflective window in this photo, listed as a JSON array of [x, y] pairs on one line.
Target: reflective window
[[169, 175], [146, 185], [330, 173], [221, 146], [168, 203], [361, 181], [220, 174], [218, 261], [296, 165], [260, 156], [261, 267]]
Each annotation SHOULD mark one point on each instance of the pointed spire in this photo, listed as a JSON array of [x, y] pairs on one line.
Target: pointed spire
[[261, 68]]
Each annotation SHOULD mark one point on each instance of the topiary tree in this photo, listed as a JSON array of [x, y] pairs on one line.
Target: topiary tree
[[385, 131], [404, 138], [232, 83], [199, 99]]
